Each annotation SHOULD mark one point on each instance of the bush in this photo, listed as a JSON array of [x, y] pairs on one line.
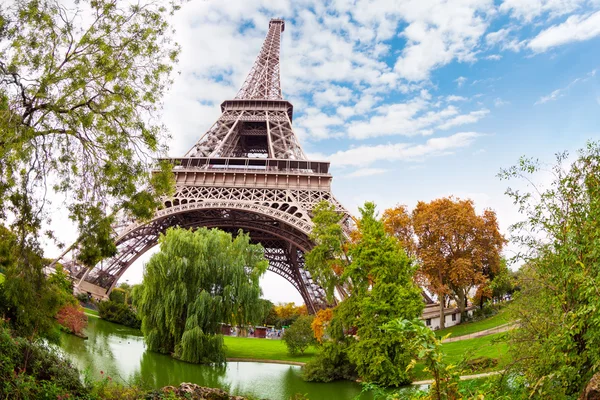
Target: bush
[[331, 364], [72, 318], [32, 370], [300, 335], [119, 313]]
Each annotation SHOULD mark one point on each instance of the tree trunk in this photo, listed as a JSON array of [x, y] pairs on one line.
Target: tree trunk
[[461, 302], [442, 301]]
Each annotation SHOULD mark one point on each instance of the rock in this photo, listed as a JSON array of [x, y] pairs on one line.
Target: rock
[[592, 390], [191, 391]]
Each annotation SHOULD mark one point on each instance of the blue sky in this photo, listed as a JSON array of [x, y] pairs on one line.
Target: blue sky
[[409, 100]]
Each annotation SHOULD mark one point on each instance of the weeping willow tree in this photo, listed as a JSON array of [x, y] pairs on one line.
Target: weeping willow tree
[[197, 281]]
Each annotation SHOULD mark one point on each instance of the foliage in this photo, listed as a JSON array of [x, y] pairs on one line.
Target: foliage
[[328, 259], [119, 313], [299, 335], [457, 248], [559, 305], [31, 370], [426, 347], [398, 223], [30, 301], [80, 91], [72, 318], [287, 313], [321, 322], [331, 363], [197, 281], [380, 280]]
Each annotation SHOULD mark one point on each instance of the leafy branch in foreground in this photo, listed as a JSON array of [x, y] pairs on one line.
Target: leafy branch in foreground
[[80, 96]]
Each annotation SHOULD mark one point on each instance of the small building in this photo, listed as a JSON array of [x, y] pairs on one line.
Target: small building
[[431, 315], [260, 332]]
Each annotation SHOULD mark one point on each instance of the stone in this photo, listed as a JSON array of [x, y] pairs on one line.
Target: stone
[[592, 390]]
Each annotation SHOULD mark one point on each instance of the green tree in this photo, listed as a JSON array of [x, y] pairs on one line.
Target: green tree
[[383, 289], [197, 281], [30, 300], [425, 346], [299, 335], [380, 276], [556, 347], [328, 258], [80, 93]]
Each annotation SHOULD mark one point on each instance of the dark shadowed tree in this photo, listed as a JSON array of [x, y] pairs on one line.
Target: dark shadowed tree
[[197, 281]]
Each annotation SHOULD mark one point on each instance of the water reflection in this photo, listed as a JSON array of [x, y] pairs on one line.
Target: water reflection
[[120, 352]]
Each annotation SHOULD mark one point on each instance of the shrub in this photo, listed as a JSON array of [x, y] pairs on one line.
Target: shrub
[[331, 364], [72, 318], [300, 335], [32, 370], [119, 313]]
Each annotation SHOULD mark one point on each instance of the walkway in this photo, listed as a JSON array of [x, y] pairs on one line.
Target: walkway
[[462, 378], [491, 331]]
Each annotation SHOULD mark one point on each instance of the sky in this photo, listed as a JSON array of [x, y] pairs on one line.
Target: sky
[[408, 100]]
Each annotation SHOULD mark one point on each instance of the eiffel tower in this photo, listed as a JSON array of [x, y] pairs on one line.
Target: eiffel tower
[[248, 171]]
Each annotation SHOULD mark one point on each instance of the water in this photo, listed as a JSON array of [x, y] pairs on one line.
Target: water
[[119, 352]]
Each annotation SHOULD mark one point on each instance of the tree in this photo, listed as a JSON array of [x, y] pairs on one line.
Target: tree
[[78, 110], [425, 346], [397, 222], [30, 300], [73, 318], [328, 259], [299, 335], [197, 281], [380, 276], [556, 347], [321, 322], [457, 248]]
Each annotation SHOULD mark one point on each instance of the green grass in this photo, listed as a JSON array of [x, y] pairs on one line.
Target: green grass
[[90, 311], [266, 349], [493, 346], [501, 318]]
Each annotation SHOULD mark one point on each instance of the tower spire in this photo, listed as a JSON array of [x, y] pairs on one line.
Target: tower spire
[[258, 122], [263, 81]]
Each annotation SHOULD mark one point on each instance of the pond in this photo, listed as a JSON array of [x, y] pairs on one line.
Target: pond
[[120, 352]]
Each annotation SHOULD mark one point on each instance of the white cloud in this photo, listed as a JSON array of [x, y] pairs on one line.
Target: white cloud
[[460, 81], [494, 38], [527, 10], [499, 102], [438, 33], [366, 155], [552, 96], [332, 96], [455, 98], [562, 91], [469, 118], [494, 57], [317, 124], [359, 173], [575, 29]]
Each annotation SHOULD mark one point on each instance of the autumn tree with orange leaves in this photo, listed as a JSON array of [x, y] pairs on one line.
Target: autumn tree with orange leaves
[[457, 248]]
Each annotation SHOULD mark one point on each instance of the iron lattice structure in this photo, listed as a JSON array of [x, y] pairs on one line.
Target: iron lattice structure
[[247, 172]]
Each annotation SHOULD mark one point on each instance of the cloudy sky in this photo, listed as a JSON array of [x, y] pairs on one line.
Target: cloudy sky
[[409, 100]]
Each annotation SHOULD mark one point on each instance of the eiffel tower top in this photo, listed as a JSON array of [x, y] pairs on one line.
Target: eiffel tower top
[[263, 81], [257, 124]]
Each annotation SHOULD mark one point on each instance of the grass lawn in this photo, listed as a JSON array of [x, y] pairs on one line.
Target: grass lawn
[[267, 349], [493, 346], [90, 311], [471, 327]]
